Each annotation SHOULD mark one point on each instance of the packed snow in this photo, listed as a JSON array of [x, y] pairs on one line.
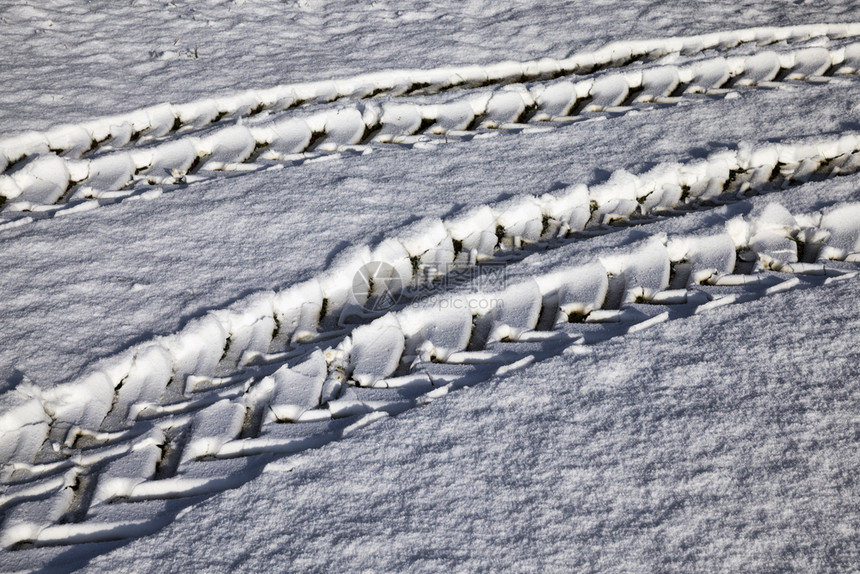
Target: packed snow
[[388, 286]]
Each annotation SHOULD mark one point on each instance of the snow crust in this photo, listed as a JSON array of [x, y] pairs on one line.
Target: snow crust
[[687, 445], [196, 219]]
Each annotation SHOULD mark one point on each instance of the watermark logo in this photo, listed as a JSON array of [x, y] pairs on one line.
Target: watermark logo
[[377, 286]]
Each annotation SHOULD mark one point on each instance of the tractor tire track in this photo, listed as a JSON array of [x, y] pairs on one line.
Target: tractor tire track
[[158, 121], [47, 183], [117, 454]]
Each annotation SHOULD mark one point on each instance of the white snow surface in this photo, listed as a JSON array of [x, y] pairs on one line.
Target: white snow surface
[[723, 443], [65, 62], [718, 438], [80, 288]]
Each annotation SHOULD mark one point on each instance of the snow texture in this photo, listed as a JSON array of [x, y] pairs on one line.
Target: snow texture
[[389, 286]]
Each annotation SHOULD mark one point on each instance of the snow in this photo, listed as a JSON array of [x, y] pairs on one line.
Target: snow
[[841, 225], [376, 350], [212, 428], [406, 286], [515, 311], [435, 332], [654, 451], [147, 50], [297, 389]]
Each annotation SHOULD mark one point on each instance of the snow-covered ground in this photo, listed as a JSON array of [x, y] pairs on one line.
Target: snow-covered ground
[[726, 442], [638, 223], [67, 61]]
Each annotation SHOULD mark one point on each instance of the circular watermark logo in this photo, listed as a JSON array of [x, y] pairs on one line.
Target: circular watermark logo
[[377, 286]]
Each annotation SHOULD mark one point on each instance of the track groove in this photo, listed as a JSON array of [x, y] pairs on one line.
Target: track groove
[[160, 120], [332, 391], [117, 453], [48, 184], [485, 234]]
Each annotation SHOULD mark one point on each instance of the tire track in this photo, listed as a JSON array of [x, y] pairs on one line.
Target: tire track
[[68, 186], [117, 453], [157, 121], [406, 359], [271, 326], [48, 184]]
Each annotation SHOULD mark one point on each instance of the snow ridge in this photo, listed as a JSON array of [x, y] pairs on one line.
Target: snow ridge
[[269, 324], [161, 117], [43, 174], [118, 452]]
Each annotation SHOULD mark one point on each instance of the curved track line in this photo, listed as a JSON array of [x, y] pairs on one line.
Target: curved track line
[[52, 185], [158, 121], [118, 452], [115, 487], [271, 326]]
